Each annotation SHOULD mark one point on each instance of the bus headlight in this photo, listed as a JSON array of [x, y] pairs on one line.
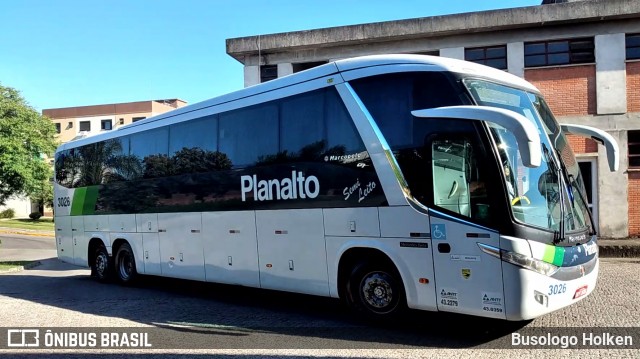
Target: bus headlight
[[527, 262], [520, 260]]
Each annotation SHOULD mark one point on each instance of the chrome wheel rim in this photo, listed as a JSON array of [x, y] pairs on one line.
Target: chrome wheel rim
[[101, 263], [377, 291]]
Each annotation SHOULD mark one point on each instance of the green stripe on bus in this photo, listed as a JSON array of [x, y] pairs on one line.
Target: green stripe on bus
[[558, 259], [553, 255], [78, 201], [90, 199], [549, 254]]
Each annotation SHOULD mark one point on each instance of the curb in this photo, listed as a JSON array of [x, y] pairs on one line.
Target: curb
[[21, 268], [26, 232], [619, 251]]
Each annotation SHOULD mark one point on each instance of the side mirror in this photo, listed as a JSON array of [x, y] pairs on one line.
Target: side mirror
[[613, 152], [525, 132]]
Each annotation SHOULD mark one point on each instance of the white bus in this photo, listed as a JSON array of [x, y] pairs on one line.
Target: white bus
[[391, 182]]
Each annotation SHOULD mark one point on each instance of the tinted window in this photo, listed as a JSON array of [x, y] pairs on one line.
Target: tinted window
[[201, 134], [341, 132], [302, 121], [63, 172], [153, 142], [245, 135], [391, 98], [307, 141], [96, 164]]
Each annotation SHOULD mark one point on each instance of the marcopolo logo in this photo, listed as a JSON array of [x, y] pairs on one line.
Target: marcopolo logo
[[298, 186], [345, 158]]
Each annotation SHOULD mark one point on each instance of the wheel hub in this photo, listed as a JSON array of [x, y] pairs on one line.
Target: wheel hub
[[101, 263], [377, 290], [126, 266]]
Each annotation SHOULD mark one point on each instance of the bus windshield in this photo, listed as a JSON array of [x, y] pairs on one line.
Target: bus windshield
[[551, 196]]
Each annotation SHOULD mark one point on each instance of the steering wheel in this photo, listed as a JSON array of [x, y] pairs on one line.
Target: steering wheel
[[520, 199]]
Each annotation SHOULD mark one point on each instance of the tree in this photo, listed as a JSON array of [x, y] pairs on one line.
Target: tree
[[43, 195], [25, 138]]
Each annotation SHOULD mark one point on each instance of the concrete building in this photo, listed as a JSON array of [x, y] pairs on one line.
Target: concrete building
[[88, 120], [583, 55]]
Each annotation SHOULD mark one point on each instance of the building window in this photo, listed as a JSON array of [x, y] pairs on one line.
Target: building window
[[633, 139], [633, 47], [105, 125], [85, 126], [121, 121], [306, 65], [559, 52], [268, 72], [57, 124], [136, 119], [429, 53], [494, 56]]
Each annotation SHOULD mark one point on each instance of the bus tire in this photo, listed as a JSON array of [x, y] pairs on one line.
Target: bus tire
[[375, 291], [101, 266], [125, 264]]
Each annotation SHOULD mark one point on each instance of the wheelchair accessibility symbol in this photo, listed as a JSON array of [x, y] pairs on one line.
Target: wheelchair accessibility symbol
[[438, 231]]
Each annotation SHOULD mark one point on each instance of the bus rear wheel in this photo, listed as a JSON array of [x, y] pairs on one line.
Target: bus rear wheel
[[376, 291], [125, 264], [101, 267]]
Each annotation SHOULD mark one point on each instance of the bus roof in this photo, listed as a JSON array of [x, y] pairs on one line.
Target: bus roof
[[437, 63]]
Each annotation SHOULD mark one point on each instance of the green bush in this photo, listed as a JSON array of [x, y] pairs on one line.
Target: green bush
[[35, 216], [8, 213]]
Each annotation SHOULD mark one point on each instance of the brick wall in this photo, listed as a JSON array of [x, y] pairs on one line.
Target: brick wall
[[569, 91], [633, 105], [633, 87], [634, 200], [582, 144]]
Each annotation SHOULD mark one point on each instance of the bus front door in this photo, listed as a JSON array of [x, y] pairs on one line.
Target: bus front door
[[467, 280]]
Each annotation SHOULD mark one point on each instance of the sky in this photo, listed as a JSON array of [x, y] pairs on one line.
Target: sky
[[68, 53]]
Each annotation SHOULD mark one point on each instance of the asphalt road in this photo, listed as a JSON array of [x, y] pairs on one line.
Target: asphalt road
[[16, 247], [241, 322]]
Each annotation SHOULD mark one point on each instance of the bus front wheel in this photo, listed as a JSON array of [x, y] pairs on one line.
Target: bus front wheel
[[376, 291], [125, 264]]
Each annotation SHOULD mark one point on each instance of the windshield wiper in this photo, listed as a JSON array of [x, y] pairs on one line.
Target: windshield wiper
[[558, 236], [570, 181]]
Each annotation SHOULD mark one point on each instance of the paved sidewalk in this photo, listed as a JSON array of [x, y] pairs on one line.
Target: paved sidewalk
[[609, 248]]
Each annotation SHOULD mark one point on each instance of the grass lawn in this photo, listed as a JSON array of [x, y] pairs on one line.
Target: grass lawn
[[45, 224], [6, 266]]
